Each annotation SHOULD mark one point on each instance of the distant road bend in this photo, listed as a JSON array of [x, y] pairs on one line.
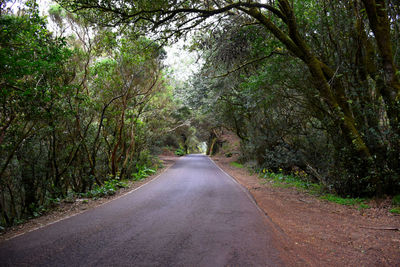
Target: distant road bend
[[192, 215]]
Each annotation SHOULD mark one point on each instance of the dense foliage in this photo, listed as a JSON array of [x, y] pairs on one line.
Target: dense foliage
[[311, 84], [332, 112], [78, 110], [341, 127]]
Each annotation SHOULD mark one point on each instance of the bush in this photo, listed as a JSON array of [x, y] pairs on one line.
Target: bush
[[395, 210], [180, 152], [142, 172], [107, 189]]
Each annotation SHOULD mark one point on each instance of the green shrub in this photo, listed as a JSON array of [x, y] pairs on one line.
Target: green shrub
[[180, 152], [107, 189], [142, 172], [145, 158], [395, 210]]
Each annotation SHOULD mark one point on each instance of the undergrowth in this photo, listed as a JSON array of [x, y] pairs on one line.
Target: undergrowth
[[360, 202], [396, 203], [142, 172], [180, 152], [107, 189], [236, 164], [395, 210], [300, 181]]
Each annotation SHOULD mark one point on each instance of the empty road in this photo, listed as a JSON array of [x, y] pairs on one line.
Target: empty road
[[192, 215]]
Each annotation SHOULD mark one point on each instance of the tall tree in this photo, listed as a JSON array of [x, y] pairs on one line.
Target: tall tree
[[284, 20]]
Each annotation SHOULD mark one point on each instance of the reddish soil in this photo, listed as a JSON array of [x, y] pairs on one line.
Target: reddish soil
[[68, 209], [324, 233]]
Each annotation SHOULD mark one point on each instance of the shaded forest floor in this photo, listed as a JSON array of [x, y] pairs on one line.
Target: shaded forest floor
[[325, 233], [67, 209]]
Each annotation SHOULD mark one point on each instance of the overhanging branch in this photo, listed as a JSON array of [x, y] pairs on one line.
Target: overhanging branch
[[247, 63]]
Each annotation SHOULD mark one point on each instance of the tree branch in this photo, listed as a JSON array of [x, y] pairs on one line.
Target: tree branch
[[247, 63]]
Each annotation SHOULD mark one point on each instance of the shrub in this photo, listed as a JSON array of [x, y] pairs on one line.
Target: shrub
[[395, 210], [180, 152], [142, 172], [107, 189]]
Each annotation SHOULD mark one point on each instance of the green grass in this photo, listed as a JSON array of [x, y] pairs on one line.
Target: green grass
[[236, 164], [286, 181], [363, 206], [358, 202], [343, 201], [395, 210]]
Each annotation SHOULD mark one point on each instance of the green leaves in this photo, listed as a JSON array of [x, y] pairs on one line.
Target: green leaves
[[142, 171], [107, 189], [180, 152]]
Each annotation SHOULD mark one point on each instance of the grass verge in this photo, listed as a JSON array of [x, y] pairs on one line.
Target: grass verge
[[236, 164], [300, 181]]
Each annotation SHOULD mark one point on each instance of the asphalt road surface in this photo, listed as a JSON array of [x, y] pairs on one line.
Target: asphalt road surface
[[192, 215]]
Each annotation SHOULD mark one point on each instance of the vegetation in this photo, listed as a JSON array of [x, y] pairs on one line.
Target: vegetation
[[396, 200], [395, 210], [299, 93], [107, 189], [142, 172], [308, 86], [79, 111], [237, 164], [180, 152], [300, 181], [396, 204]]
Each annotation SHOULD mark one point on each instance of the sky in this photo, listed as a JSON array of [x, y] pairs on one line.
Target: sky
[[182, 62]]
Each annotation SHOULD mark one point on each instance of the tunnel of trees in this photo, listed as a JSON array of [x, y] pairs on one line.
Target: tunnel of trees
[[311, 85]]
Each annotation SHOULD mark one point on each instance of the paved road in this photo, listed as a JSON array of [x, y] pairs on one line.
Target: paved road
[[192, 215]]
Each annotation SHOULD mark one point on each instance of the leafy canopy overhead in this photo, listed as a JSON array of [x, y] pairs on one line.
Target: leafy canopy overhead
[[171, 18]]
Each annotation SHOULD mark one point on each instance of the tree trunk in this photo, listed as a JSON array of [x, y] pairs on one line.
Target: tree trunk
[[334, 97]]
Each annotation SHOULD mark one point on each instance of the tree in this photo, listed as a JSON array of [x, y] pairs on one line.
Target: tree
[[354, 143], [31, 89], [76, 110]]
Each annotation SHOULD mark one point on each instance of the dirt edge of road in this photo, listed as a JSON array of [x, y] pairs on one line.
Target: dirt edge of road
[[315, 232], [65, 209]]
